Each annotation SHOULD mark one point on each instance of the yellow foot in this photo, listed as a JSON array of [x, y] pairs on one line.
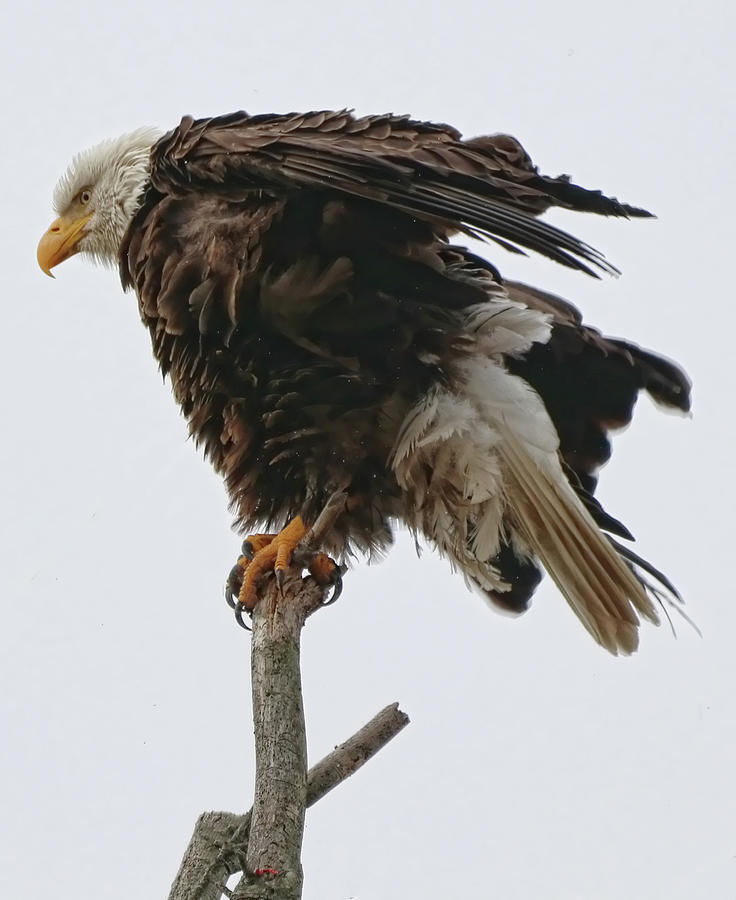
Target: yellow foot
[[269, 555], [263, 553], [323, 569]]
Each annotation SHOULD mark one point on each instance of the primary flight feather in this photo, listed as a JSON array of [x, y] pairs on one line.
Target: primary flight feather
[[322, 332]]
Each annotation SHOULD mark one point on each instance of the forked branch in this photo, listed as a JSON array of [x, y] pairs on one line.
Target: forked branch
[[265, 843]]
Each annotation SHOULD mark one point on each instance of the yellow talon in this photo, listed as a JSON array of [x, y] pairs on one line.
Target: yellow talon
[[272, 553], [322, 569]]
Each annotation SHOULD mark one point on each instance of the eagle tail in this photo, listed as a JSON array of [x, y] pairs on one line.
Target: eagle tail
[[551, 521]]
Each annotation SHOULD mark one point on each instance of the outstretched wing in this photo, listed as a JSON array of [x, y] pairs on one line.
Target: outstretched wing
[[486, 186]]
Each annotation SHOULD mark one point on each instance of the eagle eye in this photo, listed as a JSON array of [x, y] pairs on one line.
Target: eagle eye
[[84, 197]]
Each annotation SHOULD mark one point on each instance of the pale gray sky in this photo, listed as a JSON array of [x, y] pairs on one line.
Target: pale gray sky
[[535, 765]]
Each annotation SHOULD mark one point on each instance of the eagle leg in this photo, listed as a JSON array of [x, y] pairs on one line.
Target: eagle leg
[[262, 553], [271, 553], [234, 583], [254, 543], [325, 571]]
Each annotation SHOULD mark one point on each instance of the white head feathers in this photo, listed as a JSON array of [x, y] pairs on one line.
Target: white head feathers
[[113, 174]]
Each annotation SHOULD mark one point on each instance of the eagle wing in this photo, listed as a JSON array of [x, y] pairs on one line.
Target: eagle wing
[[590, 383], [485, 187]]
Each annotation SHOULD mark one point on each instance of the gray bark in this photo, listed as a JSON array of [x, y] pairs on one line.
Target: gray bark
[[216, 851], [217, 847], [266, 843], [277, 822], [355, 752]]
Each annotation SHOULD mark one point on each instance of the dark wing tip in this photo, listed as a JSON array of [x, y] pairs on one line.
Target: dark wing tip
[[636, 212], [584, 200]]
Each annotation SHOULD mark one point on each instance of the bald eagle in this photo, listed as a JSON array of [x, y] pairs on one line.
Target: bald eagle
[[322, 332]]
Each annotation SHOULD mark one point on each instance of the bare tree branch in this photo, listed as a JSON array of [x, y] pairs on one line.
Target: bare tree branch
[[355, 752], [273, 856], [216, 849], [266, 843], [215, 852]]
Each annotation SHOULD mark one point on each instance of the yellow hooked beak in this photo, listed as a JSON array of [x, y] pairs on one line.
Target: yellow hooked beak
[[60, 242]]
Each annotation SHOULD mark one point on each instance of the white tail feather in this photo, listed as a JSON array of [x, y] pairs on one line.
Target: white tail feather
[[601, 589], [479, 463]]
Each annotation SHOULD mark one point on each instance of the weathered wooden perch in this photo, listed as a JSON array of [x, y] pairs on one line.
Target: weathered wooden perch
[[268, 839]]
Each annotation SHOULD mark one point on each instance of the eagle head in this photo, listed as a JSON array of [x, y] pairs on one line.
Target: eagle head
[[96, 199]]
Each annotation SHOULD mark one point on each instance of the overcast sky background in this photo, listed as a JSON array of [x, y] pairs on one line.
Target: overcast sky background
[[535, 765]]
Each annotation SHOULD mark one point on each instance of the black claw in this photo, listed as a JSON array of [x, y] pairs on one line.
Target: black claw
[[335, 593], [232, 586], [232, 592], [337, 584], [280, 579], [247, 550], [240, 608]]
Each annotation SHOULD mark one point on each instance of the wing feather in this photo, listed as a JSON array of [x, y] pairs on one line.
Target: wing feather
[[486, 186]]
